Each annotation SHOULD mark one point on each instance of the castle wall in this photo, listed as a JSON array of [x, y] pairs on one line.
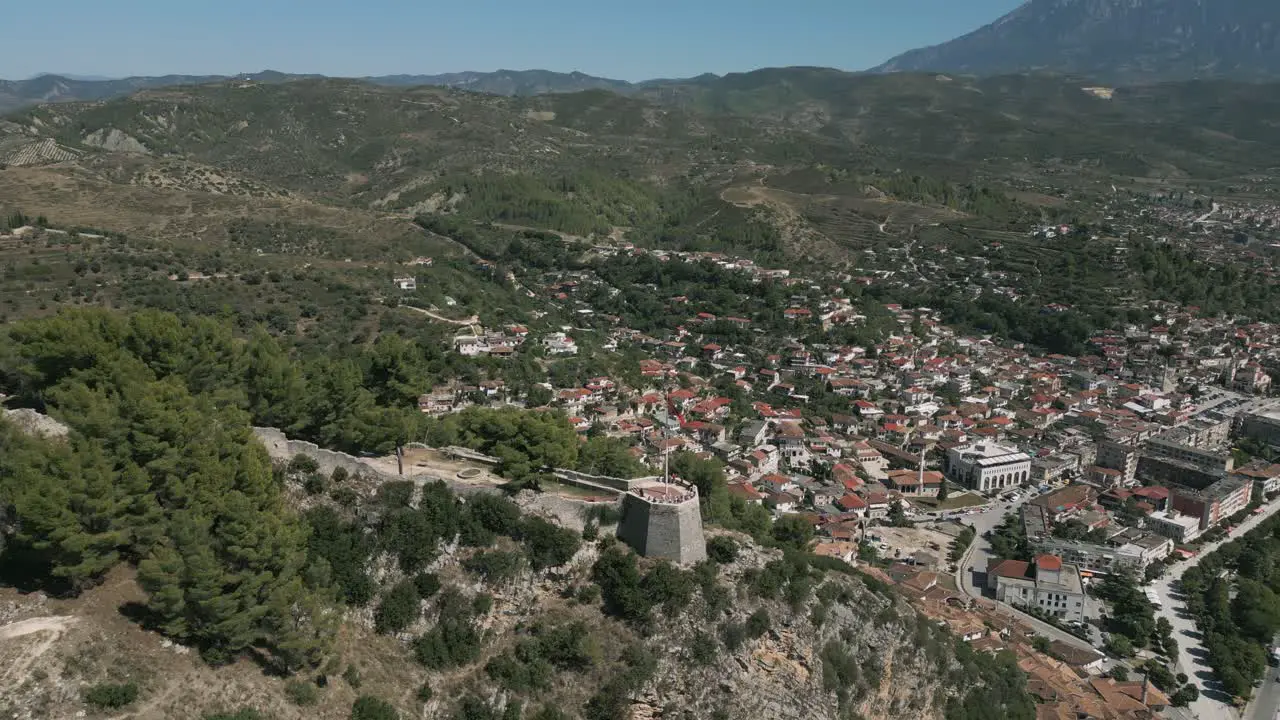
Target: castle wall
[[663, 530], [282, 449]]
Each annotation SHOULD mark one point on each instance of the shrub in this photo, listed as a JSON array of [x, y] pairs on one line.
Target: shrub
[[315, 484], [453, 641], [495, 513], [367, 707], [547, 545], [302, 465], [494, 566], [703, 649], [301, 693], [425, 693], [399, 608], [589, 594], [352, 676], [722, 549], [758, 623], [345, 496], [733, 634], [427, 584], [111, 696]]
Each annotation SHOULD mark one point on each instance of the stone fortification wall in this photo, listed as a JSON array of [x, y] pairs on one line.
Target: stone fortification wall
[[567, 511], [672, 531], [585, 480], [281, 448]]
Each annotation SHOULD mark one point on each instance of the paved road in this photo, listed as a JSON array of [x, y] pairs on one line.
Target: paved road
[[1213, 704], [1267, 702], [978, 555]]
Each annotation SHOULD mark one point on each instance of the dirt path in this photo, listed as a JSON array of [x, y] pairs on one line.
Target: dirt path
[[14, 671], [469, 321]]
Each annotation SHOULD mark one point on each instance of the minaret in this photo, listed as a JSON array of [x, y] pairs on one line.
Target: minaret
[[920, 478]]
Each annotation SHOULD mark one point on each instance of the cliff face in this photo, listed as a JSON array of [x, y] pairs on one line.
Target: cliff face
[[1121, 41], [863, 654], [890, 662]]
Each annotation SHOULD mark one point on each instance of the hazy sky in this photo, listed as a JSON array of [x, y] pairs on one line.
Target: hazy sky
[[627, 40]]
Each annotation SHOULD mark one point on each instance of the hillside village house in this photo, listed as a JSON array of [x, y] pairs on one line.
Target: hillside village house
[[559, 344]]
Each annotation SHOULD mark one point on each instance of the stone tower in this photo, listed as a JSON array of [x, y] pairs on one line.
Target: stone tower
[[663, 520]]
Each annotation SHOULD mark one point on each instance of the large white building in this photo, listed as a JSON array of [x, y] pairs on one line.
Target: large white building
[[987, 466], [1049, 584]]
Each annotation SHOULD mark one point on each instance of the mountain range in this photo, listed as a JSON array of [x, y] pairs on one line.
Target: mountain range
[[1124, 42], [1116, 41], [16, 94]]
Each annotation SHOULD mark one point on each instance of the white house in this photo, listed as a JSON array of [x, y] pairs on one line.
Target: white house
[[560, 344]]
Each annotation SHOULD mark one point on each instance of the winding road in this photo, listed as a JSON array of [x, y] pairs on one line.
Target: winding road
[[467, 321]]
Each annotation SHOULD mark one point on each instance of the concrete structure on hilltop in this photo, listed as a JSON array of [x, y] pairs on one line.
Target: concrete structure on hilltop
[[1049, 584], [664, 520], [987, 466]]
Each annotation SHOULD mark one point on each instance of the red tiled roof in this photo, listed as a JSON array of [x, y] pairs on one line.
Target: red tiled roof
[[852, 502], [1007, 568], [1048, 562]]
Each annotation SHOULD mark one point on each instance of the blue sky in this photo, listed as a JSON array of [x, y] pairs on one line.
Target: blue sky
[[627, 40]]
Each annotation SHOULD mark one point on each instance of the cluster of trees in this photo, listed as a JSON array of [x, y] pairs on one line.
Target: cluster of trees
[[1009, 539], [161, 471], [357, 399], [986, 203], [631, 595], [361, 399], [718, 506], [159, 474], [1238, 611], [543, 652], [581, 203], [1132, 621], [961, 544], [646, 286], [1001, 693]]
